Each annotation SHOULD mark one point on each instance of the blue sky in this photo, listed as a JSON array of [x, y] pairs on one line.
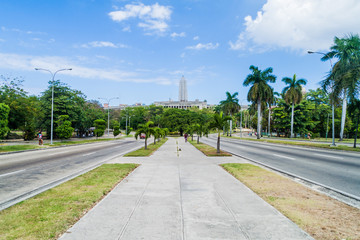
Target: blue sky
[[138, 50]]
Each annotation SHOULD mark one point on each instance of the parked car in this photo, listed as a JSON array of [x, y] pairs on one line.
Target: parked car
[[142, 136]]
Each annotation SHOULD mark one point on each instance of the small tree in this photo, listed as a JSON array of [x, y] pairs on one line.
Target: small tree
[[29, 131], [146, 129], [218, 122], [4, 114], [100, 126], [157, 133], [64, 129], [166, 132], [201, 130], [116, 130]]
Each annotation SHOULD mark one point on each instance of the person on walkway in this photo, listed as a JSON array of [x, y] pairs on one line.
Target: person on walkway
[[40, 138], [185, 137]]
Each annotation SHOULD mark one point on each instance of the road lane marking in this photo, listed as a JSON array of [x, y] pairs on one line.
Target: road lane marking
[[323, 155], [88, 154], [52, 154], [11, 173], [284, 156]]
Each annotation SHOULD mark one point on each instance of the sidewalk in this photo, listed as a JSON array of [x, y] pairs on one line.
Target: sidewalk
[[182, 195]]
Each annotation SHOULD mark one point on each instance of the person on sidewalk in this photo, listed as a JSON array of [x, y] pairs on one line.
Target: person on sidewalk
[[40, 138], [185, 137]]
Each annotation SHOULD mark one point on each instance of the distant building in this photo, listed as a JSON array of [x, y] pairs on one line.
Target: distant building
[[183, 102]]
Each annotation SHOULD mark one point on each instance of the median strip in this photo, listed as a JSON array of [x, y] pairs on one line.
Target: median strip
[[142, 152], [209, 150], [51, 213], [319, 215]]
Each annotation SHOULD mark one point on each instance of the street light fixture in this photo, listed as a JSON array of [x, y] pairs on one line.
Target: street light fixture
[[332, 105], [108, 102], [52, 95]]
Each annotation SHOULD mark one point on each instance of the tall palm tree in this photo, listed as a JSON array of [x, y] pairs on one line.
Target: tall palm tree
[[272, 101], [293, 95], [260, 91], [218, 122], [230, 106], [345, 73], [201, 130], [146, 129]]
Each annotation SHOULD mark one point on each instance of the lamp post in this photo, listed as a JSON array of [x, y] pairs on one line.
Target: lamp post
[[52, 96], [108, 101], [332, 104]]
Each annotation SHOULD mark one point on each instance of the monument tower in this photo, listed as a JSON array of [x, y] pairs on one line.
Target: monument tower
[[183, 96]]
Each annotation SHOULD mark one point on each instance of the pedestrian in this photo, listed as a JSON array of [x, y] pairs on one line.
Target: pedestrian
[[185, 136], [40, 138], [309, 136]]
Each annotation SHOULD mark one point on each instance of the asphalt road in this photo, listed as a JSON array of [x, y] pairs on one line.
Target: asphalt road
[[33, 171], [337, 169]]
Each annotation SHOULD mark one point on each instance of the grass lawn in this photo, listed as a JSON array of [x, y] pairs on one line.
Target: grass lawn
[[208, 150], [317, 214], [142, 152], [51, 213], [305, 144], [14, 148]]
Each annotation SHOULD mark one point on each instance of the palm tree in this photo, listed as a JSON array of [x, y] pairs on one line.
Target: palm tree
[[230, 106], [260, 91], [344, 75], [158, 132], [201, 130], [146, 129], [293, 95], [218, 122], [273, 100]]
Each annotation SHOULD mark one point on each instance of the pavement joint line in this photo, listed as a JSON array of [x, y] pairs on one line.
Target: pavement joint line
[[243, 231], [11, 173], [281, 156], [14, 200], [122, 232], [345, 194], [181, 204]]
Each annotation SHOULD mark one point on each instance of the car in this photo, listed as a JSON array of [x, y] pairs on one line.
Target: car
[[142, 136]]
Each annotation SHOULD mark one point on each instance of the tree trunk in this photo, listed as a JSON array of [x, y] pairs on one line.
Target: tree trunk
[[218, 144], [145, 143], [292, 121], [357, 128], [259, 120], [192, 137], [230, 125], [154, 140], [269, 122], [343, 116], [198, 139]]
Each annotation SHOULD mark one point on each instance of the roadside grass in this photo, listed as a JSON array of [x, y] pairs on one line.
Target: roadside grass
[[51, 213], [150, 149], [14, 148], [208, 150], [317, 214], [304, 144]]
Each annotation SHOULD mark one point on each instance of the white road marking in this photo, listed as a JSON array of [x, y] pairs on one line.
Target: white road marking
[[52, 154], [323, 155], [284, 157], [118, 147], [11, 173], [88, 154]]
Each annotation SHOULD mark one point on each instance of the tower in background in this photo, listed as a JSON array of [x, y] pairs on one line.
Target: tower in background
[[183, 95]]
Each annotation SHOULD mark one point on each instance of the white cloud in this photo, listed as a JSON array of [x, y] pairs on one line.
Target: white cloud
[[126, 29], [299, 24], [175, 35], [153, 17], [98, 44], [29, 63], [206, 46], [196, 38], [5, 29]]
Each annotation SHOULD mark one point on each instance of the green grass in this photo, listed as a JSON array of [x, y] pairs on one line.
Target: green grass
[[14, 148], [51, 213], [142, 152], [208, 150], [305, 144], [317, 214]]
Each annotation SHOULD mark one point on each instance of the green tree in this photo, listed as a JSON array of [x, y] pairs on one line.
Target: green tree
[[218, 122], [293, 95], [146, 129], [116, 130], [158, 133], [344, 76], [230, 106], [260, 91], [100, 126], [4, 114], [64, 129], [201, 130]]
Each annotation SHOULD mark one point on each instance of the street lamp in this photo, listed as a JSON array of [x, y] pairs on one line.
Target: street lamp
[[332, 104], [108, 101], [52, 96]]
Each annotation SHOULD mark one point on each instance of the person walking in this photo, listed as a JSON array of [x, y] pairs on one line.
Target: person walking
[[185, 137], [40, 138]]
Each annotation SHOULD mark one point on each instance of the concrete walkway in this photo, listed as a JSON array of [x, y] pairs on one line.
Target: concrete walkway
[[182, 195]]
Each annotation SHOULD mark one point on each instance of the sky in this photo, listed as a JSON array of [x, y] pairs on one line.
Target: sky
[[137, 51]]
